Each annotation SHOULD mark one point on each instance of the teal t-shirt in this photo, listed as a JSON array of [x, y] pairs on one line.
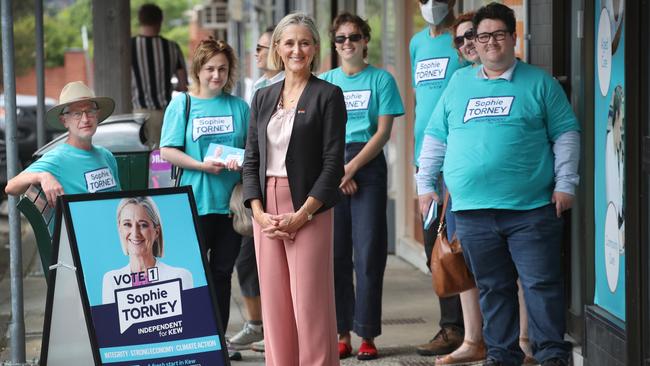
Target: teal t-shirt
[[433, 62], [499, 137], [368, 94], [221, 120], [79, 170]]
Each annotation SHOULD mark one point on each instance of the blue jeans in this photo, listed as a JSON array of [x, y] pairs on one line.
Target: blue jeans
[[360, 245], [501, 245]]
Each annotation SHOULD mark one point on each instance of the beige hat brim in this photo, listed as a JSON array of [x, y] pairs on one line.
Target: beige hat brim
[[104, 104]]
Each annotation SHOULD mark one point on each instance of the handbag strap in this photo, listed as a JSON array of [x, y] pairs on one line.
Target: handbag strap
[[188, 106], [177, 171], [444, 210]]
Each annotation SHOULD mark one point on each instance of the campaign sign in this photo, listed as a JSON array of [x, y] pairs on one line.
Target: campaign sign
[[130, 267]]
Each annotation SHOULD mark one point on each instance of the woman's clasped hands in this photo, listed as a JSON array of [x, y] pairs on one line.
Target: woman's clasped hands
[[282, 226]]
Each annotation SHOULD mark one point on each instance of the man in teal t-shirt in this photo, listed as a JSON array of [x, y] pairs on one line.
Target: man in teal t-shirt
[[76, 166], [512, 147], [433, 62]]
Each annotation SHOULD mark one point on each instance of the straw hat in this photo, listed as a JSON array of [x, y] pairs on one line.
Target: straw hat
[[77, 91]]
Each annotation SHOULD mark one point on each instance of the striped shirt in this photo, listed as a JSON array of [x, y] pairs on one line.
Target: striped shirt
[[154, 60]]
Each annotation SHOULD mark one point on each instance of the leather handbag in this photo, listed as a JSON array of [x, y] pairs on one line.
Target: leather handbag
[[242, 217], [450, 275]]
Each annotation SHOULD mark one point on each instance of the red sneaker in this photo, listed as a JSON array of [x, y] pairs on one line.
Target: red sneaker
[[367, 351], [345, 350]]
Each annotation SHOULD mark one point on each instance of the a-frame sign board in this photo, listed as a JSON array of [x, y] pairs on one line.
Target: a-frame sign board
[[130, 284]]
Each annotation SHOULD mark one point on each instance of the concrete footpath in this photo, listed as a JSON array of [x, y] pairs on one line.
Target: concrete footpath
[[410, 312]]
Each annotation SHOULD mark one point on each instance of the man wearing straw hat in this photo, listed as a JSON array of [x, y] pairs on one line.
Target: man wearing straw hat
[[76, 166]]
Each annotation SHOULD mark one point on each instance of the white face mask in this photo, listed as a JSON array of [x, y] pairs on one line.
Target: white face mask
[[434, 12]]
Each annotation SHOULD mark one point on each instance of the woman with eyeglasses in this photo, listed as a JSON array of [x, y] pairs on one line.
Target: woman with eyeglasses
[[215, 117], [360, 238]]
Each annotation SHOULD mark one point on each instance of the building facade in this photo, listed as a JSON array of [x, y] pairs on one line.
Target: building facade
[[598, 51]]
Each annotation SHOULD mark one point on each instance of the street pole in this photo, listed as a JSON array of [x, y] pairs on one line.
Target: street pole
[[40, 74], [17, 324]]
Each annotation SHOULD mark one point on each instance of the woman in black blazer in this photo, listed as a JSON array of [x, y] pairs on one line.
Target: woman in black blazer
[[292, 169]]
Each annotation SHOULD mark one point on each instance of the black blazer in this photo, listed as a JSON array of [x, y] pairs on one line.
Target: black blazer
[[314, 158]]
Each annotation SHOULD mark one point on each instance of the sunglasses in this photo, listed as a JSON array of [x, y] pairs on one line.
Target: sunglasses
[[260, 48], [424, 2], [356, 37], [460, 40]]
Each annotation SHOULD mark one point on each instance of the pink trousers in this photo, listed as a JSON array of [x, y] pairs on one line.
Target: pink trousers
[[297, 287]]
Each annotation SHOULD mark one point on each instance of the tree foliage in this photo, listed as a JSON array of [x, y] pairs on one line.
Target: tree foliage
[[62, 28]]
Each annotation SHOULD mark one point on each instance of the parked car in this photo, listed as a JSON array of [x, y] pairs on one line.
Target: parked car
[[26, 125], [25, 132]]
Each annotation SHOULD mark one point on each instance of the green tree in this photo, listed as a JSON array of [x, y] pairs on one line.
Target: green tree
[[23, 37]]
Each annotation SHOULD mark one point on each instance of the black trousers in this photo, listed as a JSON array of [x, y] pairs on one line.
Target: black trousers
[[222, 244]]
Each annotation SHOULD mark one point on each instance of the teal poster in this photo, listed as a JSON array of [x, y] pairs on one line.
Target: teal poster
[[609, 145], [144, 279]]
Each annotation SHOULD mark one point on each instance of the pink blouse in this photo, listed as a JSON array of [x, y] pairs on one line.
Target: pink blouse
[[278, 134]]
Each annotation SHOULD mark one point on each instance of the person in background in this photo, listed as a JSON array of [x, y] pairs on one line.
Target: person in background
[[75, 166], [215, 117], [433, 61], [512, 172], [292, 171], [252, 335], [155, 60], [269, 76], [360, 236]]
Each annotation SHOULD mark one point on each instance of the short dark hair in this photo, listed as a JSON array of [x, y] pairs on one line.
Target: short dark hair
[[150, 14], [496, 11]]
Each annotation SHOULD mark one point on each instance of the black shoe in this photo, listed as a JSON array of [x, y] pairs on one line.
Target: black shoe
[[492, 362], [234, 355], [555, 362]]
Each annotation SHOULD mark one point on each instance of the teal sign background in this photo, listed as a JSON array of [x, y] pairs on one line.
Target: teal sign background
[[609, 149]]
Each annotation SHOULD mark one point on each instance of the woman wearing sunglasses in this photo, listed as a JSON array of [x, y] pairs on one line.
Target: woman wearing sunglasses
[[372, 101]]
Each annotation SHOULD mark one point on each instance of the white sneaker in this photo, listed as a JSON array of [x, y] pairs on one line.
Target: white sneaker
[[249, 334], [258, 346]]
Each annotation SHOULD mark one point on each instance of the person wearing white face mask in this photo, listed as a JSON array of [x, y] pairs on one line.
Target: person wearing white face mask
[[433, 61]]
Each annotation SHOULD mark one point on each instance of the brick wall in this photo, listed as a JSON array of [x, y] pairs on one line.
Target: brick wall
[[74, 69]]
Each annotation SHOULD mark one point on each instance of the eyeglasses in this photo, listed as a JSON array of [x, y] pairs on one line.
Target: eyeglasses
[[259, 48], [76, 116], [356, 37], [498, 35], [460, 40]]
